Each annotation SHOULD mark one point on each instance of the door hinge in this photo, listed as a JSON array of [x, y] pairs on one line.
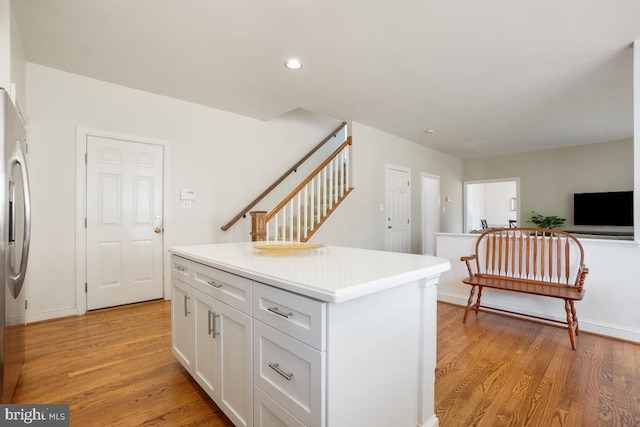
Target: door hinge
[[85, 287], [85, 223], [408, 221], [408, 183], [86, 156], [25, 304]]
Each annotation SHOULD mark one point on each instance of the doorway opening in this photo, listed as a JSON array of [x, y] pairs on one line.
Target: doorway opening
[[124, 195], [430, 198], [491, 204]]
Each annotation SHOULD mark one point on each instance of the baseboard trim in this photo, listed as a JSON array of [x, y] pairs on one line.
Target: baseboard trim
[[586, 325], [51, 314], [433, 421]]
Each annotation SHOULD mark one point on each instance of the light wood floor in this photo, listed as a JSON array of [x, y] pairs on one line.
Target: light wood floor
[[497, 371], [114, 368]]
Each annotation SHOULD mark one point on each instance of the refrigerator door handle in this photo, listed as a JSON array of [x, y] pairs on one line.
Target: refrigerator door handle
[[17, 278]]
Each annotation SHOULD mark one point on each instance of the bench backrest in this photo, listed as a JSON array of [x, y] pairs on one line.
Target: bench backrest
[[530, 254]]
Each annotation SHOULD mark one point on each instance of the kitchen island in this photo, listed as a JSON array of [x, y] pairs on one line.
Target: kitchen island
[[328, 337]]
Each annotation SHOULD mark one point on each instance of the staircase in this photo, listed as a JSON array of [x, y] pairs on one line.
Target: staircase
[[307, 207]]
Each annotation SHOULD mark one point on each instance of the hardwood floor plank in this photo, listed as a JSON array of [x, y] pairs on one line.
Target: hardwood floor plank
[[499, 371], [115, 368]]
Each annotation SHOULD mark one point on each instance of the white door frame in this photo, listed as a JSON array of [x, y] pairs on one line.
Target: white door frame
[[434, 210], [81, 210], [406, 170], [465, 202]]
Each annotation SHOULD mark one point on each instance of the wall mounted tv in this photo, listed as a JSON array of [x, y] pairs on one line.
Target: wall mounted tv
[[611, 208]]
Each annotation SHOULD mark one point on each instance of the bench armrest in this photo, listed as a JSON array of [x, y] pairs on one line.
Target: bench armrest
[[466, 260], [582, 274]]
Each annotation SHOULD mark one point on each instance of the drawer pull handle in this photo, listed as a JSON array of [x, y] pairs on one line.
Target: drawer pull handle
[[212, 323], [276, 367], [275, 310], [214, 284], [179, 268], [186, 305]]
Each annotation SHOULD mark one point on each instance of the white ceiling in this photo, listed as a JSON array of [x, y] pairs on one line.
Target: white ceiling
[[491, 77]]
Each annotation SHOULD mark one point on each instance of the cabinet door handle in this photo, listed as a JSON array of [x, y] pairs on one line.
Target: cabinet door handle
[[212, 324], [276, 367], [277, 311], [214, 284], [186, 305]]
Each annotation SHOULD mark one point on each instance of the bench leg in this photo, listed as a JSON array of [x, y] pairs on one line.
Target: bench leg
[[478, 299], [469, 302], [575, 318], [571, 315]]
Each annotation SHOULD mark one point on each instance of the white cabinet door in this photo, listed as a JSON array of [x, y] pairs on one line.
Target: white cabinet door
[[222, 349], [181, 322], [235, 349], [204, 342]]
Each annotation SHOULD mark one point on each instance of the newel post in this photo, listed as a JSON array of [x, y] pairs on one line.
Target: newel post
[[258, 226]]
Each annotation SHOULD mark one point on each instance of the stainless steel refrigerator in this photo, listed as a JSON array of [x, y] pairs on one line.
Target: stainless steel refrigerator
[[15, 232]]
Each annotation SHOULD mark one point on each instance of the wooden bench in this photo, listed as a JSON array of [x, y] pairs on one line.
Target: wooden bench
[[533, 261]]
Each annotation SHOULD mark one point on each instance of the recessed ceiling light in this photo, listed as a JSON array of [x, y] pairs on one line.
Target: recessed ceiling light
[[293, 64], [429, 131]]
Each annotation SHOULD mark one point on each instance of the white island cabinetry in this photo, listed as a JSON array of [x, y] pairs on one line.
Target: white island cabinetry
[[216, 347], [335, 337]]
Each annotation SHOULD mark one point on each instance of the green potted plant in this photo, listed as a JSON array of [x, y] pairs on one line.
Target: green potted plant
[[548, 222]]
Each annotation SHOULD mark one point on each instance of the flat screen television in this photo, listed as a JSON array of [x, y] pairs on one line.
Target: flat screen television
[[609, 208]]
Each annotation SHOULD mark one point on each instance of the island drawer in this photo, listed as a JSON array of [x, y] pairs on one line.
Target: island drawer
[[231, 289], [296, 315], [290, 372], [268, 413], [180, 268]]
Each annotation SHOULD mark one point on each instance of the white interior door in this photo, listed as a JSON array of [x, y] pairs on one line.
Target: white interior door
[[430, 212], [398, 209], [124, 222]]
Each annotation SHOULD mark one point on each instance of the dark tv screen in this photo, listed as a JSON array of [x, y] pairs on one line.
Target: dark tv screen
[[610, 208]]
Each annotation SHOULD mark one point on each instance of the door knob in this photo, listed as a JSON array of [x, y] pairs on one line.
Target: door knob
[[390, 227], [157, 230]]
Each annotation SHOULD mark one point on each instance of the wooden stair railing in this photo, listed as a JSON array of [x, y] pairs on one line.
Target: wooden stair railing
[[303, 211], [257, 200]]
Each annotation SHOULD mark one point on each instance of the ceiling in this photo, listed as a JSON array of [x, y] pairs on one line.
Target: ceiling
[[490, 77]]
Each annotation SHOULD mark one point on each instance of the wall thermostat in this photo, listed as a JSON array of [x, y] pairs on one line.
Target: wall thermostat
[[187, 194]]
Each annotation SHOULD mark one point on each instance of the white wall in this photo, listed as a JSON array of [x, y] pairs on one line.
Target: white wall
[[5, 44], [12, 62], [359, 221], [226, 158], [609, 306], [549, 178]]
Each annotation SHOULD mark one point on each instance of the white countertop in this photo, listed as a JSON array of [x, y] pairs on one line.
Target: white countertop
[[330, 273]]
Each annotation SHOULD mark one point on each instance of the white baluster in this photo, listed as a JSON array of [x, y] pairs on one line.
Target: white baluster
[[312, 211], [299, 230], [324, 192], [267, 225], [347, 165], [306, 209], [275, 227], [332, 187], [343, 187], [336, 184]]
